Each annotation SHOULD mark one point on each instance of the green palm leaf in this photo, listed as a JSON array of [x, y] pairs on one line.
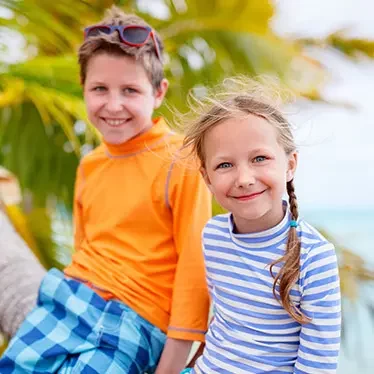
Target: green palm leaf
[[353, 48]]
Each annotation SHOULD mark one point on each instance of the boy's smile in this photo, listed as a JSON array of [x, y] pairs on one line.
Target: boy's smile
[[119, 97], [116, 123]]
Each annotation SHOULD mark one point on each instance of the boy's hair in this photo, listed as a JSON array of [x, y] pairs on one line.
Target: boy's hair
[[111, 44], [252, 97]]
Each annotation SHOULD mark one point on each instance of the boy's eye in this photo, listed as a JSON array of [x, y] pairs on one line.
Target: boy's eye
[[224, 165], [129, 90], [99, 88], [260, 159]]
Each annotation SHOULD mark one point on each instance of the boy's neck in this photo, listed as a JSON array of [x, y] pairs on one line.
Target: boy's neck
[[141, 141]]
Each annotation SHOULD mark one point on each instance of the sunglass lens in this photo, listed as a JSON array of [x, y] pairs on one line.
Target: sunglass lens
[[95, 31], [135, 35]]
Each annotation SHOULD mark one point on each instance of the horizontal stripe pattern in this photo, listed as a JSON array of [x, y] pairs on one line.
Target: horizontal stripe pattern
[[250, 331]]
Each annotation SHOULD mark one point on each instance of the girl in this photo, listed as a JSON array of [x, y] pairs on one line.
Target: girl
[[273, 278]]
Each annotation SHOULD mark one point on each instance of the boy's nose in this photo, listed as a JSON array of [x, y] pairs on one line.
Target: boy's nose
[[114, 104], [245, 177]]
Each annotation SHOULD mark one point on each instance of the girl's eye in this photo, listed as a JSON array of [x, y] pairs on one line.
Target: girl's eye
[[224, 165], [260, 159]]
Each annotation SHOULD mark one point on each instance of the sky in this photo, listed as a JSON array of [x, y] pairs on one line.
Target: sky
[[335, 144]]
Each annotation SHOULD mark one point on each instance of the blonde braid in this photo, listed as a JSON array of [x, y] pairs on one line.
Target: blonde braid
[[289, 273]]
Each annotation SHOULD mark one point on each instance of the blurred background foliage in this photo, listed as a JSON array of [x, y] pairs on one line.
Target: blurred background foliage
[[43, 126]]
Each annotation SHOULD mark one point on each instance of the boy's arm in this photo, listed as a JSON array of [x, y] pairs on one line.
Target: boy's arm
[[174, 356], [320, 339], [190, 203]]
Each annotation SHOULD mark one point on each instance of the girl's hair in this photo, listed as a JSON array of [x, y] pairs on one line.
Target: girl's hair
[[241, 97], [112, 45]]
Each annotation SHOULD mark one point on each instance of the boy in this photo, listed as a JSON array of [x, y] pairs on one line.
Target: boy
[[137, 277]]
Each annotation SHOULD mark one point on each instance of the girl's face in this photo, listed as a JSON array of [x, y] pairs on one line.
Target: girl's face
[[247, 170]]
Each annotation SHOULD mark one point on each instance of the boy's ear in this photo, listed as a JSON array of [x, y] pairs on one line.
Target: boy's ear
[[292, 165], [206, 178], [160, 93]]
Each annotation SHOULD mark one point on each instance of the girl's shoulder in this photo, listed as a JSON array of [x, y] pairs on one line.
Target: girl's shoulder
[[310, 236], [219, 224], [219, 221], [315, 247]]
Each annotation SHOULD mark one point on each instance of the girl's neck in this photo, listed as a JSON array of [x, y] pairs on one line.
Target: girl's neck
[[265, 222]]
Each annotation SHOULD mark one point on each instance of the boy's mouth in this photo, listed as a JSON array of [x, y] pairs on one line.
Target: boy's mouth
[[115, 122]]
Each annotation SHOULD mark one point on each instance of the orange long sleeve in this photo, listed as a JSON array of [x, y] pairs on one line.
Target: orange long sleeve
[[77, 210], [190, 204]]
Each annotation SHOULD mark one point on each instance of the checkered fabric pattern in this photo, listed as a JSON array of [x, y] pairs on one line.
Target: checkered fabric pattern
[[74, 330]]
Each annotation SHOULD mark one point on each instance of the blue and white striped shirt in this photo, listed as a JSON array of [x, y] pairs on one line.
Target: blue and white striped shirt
[[251, 332]]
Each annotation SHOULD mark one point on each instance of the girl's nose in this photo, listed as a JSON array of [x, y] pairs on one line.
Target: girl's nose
[[245, 177]]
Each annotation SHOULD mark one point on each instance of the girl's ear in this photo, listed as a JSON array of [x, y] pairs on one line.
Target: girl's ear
[[206, 178], [292, 165]]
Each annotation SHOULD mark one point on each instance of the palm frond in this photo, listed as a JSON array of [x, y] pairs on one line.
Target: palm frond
[[215, 15], [54, 27], [60, 72], [353, 48], [39, 155]]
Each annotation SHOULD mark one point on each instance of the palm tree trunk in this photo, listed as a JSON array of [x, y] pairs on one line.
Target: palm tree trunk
[[20, 276]]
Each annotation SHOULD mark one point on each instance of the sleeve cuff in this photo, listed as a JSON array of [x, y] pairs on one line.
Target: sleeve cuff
[[186, 334]]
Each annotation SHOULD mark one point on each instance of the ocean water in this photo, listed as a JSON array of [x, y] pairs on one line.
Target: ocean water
[[354, 230]]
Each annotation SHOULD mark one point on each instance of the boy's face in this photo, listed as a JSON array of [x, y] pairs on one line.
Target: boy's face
[[119, 97]]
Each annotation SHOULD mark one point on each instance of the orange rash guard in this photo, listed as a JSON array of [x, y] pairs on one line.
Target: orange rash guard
[[139, 212]]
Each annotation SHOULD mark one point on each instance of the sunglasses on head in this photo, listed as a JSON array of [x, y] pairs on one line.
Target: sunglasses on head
[[132, 35]]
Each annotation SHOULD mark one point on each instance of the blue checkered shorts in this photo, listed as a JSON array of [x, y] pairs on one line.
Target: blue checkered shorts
[[74, 330]]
